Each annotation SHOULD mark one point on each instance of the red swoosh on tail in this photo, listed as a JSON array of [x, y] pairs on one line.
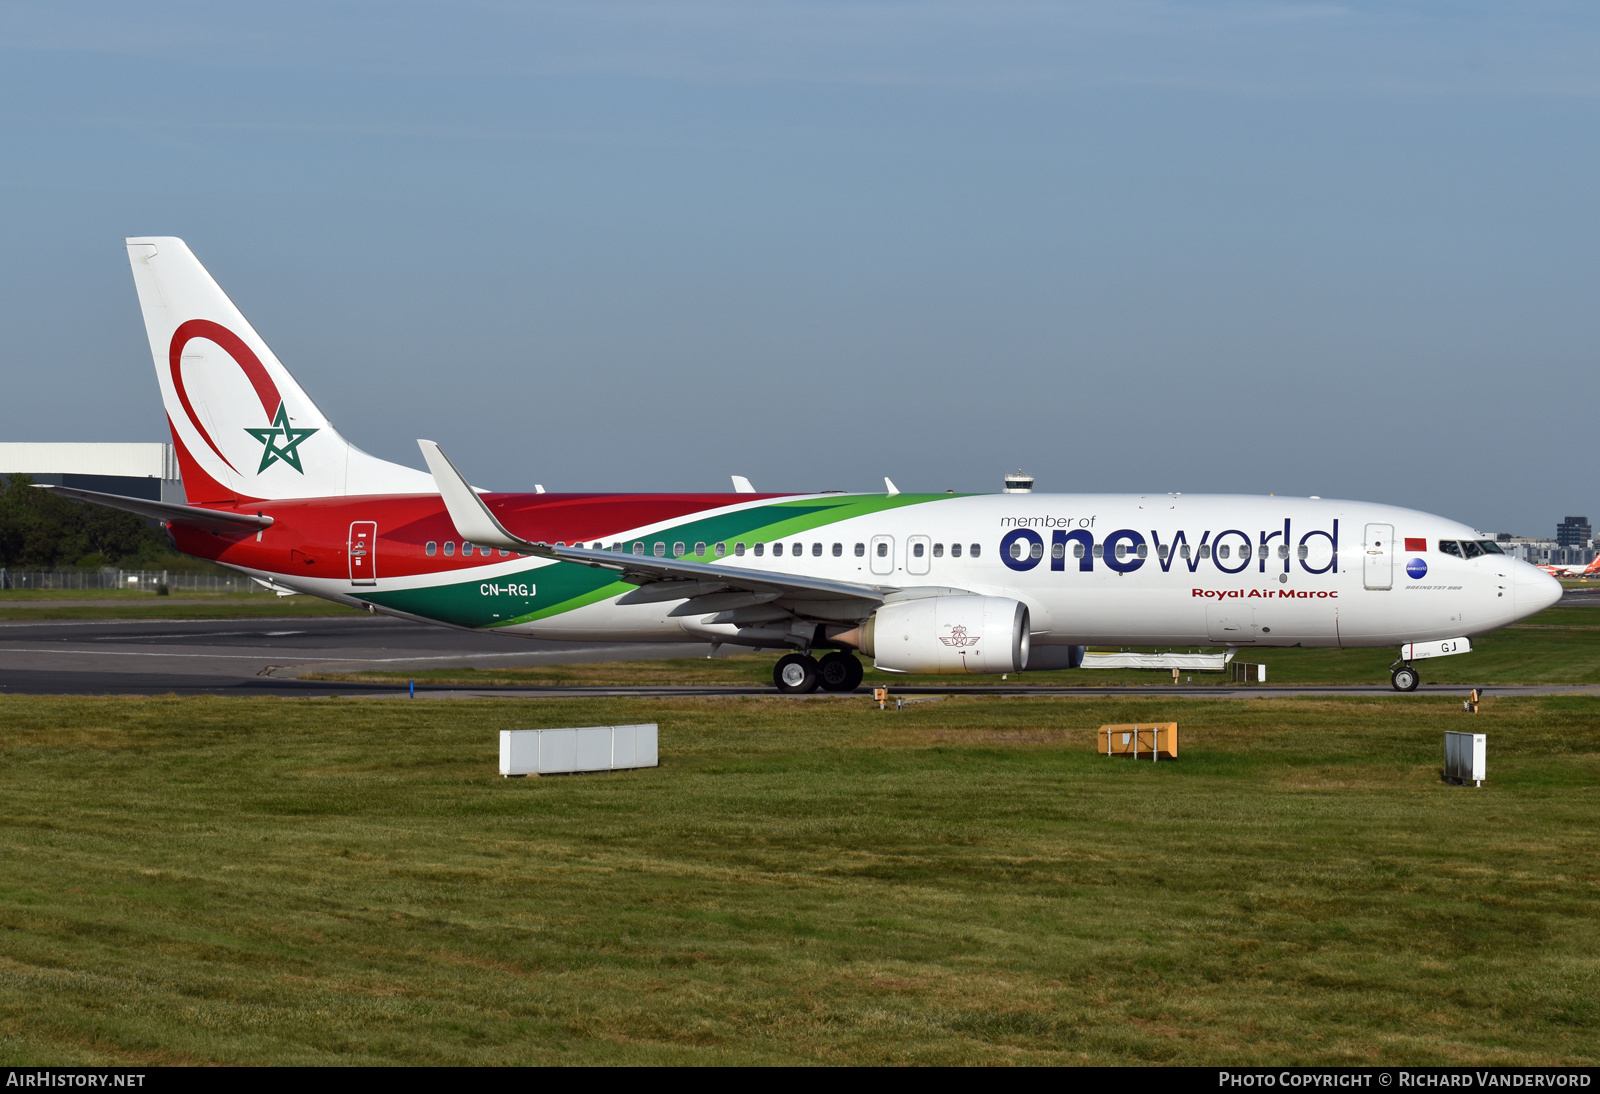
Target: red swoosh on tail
[[242, 355]]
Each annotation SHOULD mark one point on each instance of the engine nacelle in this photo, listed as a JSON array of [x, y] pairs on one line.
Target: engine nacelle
[[948, 635]]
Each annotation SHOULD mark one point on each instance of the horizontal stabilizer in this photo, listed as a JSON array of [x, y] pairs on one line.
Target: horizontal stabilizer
[[166, 510]]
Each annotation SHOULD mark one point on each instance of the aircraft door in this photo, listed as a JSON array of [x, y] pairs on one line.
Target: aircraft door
[[919, 554], [364, 552], [881, 554], [1377, 546]]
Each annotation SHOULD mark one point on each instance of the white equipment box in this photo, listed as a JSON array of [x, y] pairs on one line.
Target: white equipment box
[[1465, 758], [567, 751]]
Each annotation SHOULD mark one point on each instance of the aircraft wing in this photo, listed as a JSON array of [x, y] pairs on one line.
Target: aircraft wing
[[707, 586], [646, 569], [166, 511]]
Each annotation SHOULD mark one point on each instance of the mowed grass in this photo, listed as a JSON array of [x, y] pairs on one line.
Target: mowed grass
[[1558, 646], [220, 880], [31, 604]]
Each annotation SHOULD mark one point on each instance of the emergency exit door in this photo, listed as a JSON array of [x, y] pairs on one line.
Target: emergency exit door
[[364, 552], [1377, 569], [882, 554]]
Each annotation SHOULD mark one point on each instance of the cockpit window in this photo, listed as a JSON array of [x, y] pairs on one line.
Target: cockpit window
[[1450, 547], [1490, 547], [1470, 549]]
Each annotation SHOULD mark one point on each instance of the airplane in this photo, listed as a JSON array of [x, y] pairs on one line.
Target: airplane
[[1575, 569], [920, 583]]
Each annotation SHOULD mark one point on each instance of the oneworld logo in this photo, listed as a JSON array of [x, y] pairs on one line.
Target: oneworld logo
[[1417, 568], [1232, 551]]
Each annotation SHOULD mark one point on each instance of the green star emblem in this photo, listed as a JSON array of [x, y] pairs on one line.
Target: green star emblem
[[291, 441]]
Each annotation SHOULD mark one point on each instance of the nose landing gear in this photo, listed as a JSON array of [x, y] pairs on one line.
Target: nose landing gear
[[1404, 677]]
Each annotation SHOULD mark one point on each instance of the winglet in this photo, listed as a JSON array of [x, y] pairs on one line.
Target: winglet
[[741, 485], [467, 511], [889, 483]]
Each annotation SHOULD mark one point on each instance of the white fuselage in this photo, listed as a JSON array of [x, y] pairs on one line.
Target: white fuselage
[[1347, 580]]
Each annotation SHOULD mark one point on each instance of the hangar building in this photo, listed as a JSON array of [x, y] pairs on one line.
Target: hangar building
[[135, 470]]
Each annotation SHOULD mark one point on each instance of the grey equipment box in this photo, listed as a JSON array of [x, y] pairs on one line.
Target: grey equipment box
[[1465, 758], [568, 751]]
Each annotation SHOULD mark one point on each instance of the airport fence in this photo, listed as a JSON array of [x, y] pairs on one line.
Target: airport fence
[[148, 581]]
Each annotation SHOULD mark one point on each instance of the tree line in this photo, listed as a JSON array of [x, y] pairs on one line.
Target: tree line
[[41, 530]]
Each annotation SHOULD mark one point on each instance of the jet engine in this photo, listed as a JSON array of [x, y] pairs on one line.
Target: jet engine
[[947, 635]]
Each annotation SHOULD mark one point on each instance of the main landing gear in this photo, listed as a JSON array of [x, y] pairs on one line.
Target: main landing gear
[[800, 673], [1404, 677]]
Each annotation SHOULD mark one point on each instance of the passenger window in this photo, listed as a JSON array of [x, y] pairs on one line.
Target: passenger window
[[977, 549], [1205, 550], [938, 550], [700, 550], [1036, 551], [660, 549], [955, 550], [721, 549], [1016, 550], [616, 548], [738, 549], [816, 550], [1162, 550], [1077, 550], [1304, 551], [449, 548], [1099, 550], [677, 549], [797, 549], [504, 552], [883, 550], [1184, 551], [861, 550], [1122, 550], [916, 550], [777, 549], [1470, 549], [1057, 550], [838, 550], [1446, 546], [1143, 551], [431, 549], [760, 547], [638, 548], [1283, 550], [1222, 552]]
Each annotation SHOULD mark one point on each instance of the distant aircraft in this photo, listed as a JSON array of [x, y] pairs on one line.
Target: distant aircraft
[[1575, 569], [921, 583]]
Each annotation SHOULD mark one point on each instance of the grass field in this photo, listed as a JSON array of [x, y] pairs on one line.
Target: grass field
[[28, 604], [1558, 646], [317, 881]]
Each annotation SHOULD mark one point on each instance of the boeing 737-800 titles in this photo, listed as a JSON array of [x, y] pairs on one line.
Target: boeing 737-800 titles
[[920, 583]]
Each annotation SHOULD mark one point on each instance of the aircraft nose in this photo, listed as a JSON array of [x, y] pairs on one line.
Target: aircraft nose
[[1535, 589]]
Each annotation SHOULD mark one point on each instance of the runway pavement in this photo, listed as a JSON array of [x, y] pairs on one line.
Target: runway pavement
[[262, 656], [266, 656]]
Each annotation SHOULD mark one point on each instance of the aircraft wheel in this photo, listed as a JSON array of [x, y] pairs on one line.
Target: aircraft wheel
[[795, 674], [1405, 678], [839, 671]]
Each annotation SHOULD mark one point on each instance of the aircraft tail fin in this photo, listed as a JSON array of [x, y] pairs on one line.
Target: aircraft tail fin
[[243, 428]]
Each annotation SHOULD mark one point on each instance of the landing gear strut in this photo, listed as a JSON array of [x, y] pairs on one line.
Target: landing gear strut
[[839, 671], [796, 674], [1404, 678]]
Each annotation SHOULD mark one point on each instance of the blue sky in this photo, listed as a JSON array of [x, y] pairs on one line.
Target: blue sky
[[1341, 249]]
